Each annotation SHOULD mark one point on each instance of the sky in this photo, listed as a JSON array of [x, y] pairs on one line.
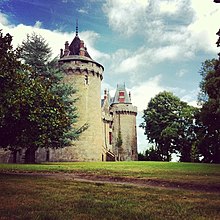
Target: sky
[[150, 45]]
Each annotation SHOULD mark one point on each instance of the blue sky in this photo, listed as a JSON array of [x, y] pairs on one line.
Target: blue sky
[[151, 45]]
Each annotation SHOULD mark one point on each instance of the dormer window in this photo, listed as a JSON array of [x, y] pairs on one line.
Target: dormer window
[[121, 97]]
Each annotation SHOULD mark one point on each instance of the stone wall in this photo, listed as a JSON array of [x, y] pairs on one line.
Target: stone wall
[[86, 77], [124, 121]]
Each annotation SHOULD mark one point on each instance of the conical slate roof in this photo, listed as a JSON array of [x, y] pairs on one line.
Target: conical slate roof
[[121, 95], [74, 47]]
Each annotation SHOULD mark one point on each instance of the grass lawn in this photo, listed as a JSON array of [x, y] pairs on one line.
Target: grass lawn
[[37, 197]]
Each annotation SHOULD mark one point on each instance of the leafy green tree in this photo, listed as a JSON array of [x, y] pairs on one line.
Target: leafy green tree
[[11, 78], [153, 154], [187, 138], [168, 122], [207, 67], [194, 154], [33, 113], [209, 117], [141, 157], [36, 53]]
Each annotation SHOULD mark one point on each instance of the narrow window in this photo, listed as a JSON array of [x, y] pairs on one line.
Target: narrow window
[[86, 80], [110, 137]]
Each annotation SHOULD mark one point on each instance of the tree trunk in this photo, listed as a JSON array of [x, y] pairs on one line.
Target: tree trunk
[[216, 156], [167, 154], [14, 156]]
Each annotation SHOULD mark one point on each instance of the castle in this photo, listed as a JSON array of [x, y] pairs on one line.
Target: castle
[[111, 133]]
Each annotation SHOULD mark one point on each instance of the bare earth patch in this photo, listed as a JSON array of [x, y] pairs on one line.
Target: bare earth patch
[[101, 179]]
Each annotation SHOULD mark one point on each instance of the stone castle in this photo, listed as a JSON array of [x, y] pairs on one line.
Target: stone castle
[[111, 133]]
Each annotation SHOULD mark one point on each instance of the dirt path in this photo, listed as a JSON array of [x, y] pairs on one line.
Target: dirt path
[[101, 179]]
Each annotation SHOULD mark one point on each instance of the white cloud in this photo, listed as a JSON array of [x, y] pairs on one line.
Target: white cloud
[[3, 19], [167, 53], [38, 24], [123, 15], [141, 95], [55, 39], [205, 25], [82, 11], [191, 97], [143, 92], [189, 25], [131, 63], [181, 72], [169, 7], [90, 38]]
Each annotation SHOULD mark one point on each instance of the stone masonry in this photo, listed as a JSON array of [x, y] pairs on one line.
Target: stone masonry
[[110, 121]]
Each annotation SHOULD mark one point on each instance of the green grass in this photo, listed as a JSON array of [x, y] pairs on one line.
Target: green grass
[[37, 197], [25, 197], [207, 174]]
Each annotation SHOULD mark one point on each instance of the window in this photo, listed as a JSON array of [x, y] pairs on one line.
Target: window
[[121, 97], [86, 80], [110, 137]]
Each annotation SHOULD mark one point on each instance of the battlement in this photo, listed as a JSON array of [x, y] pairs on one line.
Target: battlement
[[74, 64], [124, 109]]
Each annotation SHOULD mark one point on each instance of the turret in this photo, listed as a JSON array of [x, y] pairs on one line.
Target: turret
[[124, 125], [85, 75]]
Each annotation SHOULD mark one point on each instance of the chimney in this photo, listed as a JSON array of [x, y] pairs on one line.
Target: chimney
[[61, 53], [82, 48], [66, 51]]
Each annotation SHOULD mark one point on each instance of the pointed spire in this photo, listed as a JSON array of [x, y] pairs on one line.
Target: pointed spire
[[77, 28]]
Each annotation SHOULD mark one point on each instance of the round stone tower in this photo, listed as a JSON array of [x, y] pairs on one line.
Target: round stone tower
[[85, 75], [124, 135]]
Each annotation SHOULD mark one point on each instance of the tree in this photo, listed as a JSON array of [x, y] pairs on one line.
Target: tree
[[209, 117], [36, 53], [12, 87], [119, 143], [153, 154], [168, 122], [187, 139], [141, 157], [207, 66], [34, 113]]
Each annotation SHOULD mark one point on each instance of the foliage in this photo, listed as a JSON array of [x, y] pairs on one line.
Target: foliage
[[153, 154], [36, 53], [207, 66], [150, 154], [169, 123], [141, 157], [16, 91], [119, 143], [33, 112], [194, 154], [209, 116]]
